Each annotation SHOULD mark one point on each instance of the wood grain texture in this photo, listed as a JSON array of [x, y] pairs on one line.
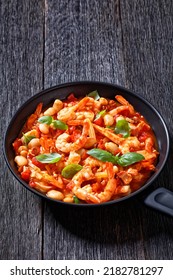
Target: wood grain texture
[[21, 57], [147, 47], [47, 42], [122, 42], [83, 42]]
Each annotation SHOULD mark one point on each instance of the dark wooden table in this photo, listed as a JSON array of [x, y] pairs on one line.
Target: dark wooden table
[[49, 42]]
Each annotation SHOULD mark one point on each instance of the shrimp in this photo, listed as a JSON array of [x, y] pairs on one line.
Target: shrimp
[[111, 185], [73, 158], [57, 106], [109, 134], [64, 145], [42, 176], [126, 106], [48, 179], [98, 165], [40, 186], [86, 193], [118, 110], [91, 140], [149, 144], [93, 162], [123, 101], [124, 144], [130, 142], [81, 115], [98, 104], [136, 130], [149, 156], [84, 175], [68, 113], [33, 117]]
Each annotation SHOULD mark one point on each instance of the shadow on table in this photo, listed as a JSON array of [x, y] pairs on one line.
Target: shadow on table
[[117, 223], [111, 224]]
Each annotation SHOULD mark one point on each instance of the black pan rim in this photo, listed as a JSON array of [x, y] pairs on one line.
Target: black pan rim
[[87, 82]]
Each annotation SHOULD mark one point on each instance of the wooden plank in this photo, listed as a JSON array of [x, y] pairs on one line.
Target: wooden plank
[[21, 57], [125, 42], [83, 41], [147, 46], [102, 233]]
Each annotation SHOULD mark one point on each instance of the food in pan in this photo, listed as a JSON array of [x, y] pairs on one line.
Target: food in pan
[[86, 150]]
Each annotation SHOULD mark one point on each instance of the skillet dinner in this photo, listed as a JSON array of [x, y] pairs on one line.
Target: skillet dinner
[[90, 150]]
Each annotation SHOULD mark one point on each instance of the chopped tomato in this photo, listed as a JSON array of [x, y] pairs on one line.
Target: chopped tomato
[[71, 97], [132, 149], [32, 183], [101, 144], [16, 144], [26, 175], [84, 155], [47, 143], [37, 163], [99, 121], [58, 132], [143, 136]]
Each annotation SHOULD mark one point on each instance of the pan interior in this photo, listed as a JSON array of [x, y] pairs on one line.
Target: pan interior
[[81, 89]]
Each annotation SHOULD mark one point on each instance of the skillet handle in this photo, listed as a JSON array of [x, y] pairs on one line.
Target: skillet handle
[[161, 199]]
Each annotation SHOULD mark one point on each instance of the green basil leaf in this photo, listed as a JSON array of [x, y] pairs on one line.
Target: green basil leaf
[[100, 114], [45, 119], [70, 170], [94, 94], [27, 138], [102, 155], [129, 158], [49, 158], [76, 199], [60, 125], [122, 127]]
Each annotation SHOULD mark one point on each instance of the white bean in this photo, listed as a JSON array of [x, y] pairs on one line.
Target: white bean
[[24, 153], [108, 120], [21, 160], [58, 105], [111, 147], [68, 199], [35, 142], [55, 195], [50, 112], [103, 101], [44, 128], [115, 169], [22, 148]]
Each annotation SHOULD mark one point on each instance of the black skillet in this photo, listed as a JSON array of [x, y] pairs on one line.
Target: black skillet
[[160, 199]]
